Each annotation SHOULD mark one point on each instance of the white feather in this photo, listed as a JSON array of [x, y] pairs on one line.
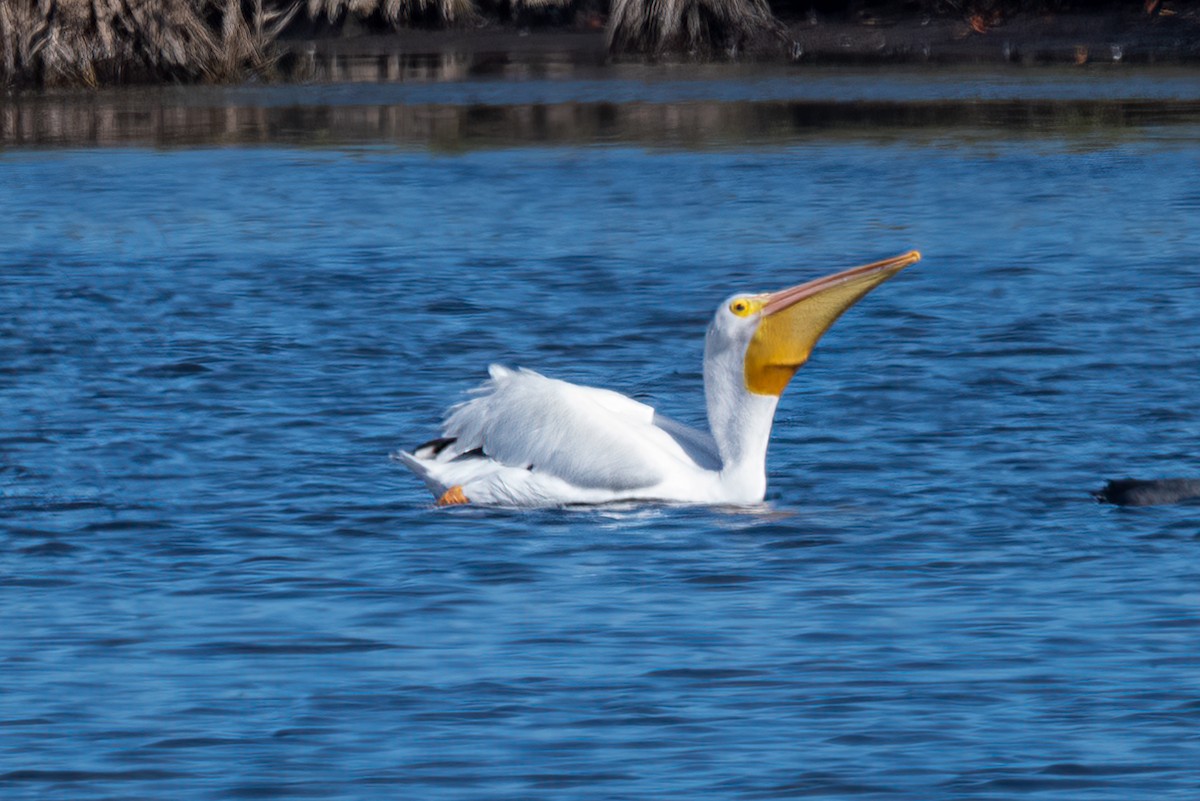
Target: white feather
[[588, 437], [528, 440]]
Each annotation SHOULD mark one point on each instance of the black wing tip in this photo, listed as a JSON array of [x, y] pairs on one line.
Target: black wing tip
[[474, 453], [435, 448], [428, 450], [1148, 492]]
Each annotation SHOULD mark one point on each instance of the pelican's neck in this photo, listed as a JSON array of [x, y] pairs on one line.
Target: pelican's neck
[[740, 422]]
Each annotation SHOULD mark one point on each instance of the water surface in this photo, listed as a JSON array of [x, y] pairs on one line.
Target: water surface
[[216, 585]]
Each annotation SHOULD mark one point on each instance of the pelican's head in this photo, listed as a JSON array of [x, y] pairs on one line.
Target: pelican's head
[[773, 333]]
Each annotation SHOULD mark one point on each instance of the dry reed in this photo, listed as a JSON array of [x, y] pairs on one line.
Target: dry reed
[[94, 42], [695, 26], [394, 12]]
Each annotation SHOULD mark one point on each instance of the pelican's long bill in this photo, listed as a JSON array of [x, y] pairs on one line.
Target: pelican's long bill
[[794, 319]]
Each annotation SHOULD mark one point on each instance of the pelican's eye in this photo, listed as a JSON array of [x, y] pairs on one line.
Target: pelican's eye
[[741, 307]]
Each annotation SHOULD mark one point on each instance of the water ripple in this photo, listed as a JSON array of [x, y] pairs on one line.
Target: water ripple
[[216, 582]]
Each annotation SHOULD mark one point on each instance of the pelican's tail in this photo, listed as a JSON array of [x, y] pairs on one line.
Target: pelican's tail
[[424, 470], [446, 472]]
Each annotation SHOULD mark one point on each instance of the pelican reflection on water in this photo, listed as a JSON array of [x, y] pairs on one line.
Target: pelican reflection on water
[[529, 440]]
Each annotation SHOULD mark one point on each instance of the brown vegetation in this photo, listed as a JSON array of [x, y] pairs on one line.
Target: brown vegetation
[[394, 12], [697, 26], [93, 42]]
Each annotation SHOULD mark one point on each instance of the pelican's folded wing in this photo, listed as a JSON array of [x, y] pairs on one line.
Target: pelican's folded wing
[[589, 437]]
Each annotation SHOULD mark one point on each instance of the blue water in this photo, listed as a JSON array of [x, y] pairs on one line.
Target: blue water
[[215, 585]]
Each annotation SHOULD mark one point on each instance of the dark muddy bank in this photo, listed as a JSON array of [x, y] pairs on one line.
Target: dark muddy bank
[[1120, 35], [67, 43], [1123, 34]]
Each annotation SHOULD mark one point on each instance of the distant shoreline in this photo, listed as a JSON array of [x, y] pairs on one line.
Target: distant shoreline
[[233, 45]]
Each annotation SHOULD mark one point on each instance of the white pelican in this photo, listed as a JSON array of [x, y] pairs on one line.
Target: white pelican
[[528, 440]]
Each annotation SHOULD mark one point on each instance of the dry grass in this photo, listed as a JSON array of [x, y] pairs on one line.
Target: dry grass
[[94, 42], [694, 26], [541, 5], [395, 12]]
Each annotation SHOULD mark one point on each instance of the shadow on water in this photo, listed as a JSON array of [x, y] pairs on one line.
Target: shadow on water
[[451, 102]]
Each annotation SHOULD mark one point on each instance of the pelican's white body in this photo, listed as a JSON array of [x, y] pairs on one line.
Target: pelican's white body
[[529, 440]]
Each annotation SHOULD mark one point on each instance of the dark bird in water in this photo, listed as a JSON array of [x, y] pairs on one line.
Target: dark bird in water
[[1148, 492]]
